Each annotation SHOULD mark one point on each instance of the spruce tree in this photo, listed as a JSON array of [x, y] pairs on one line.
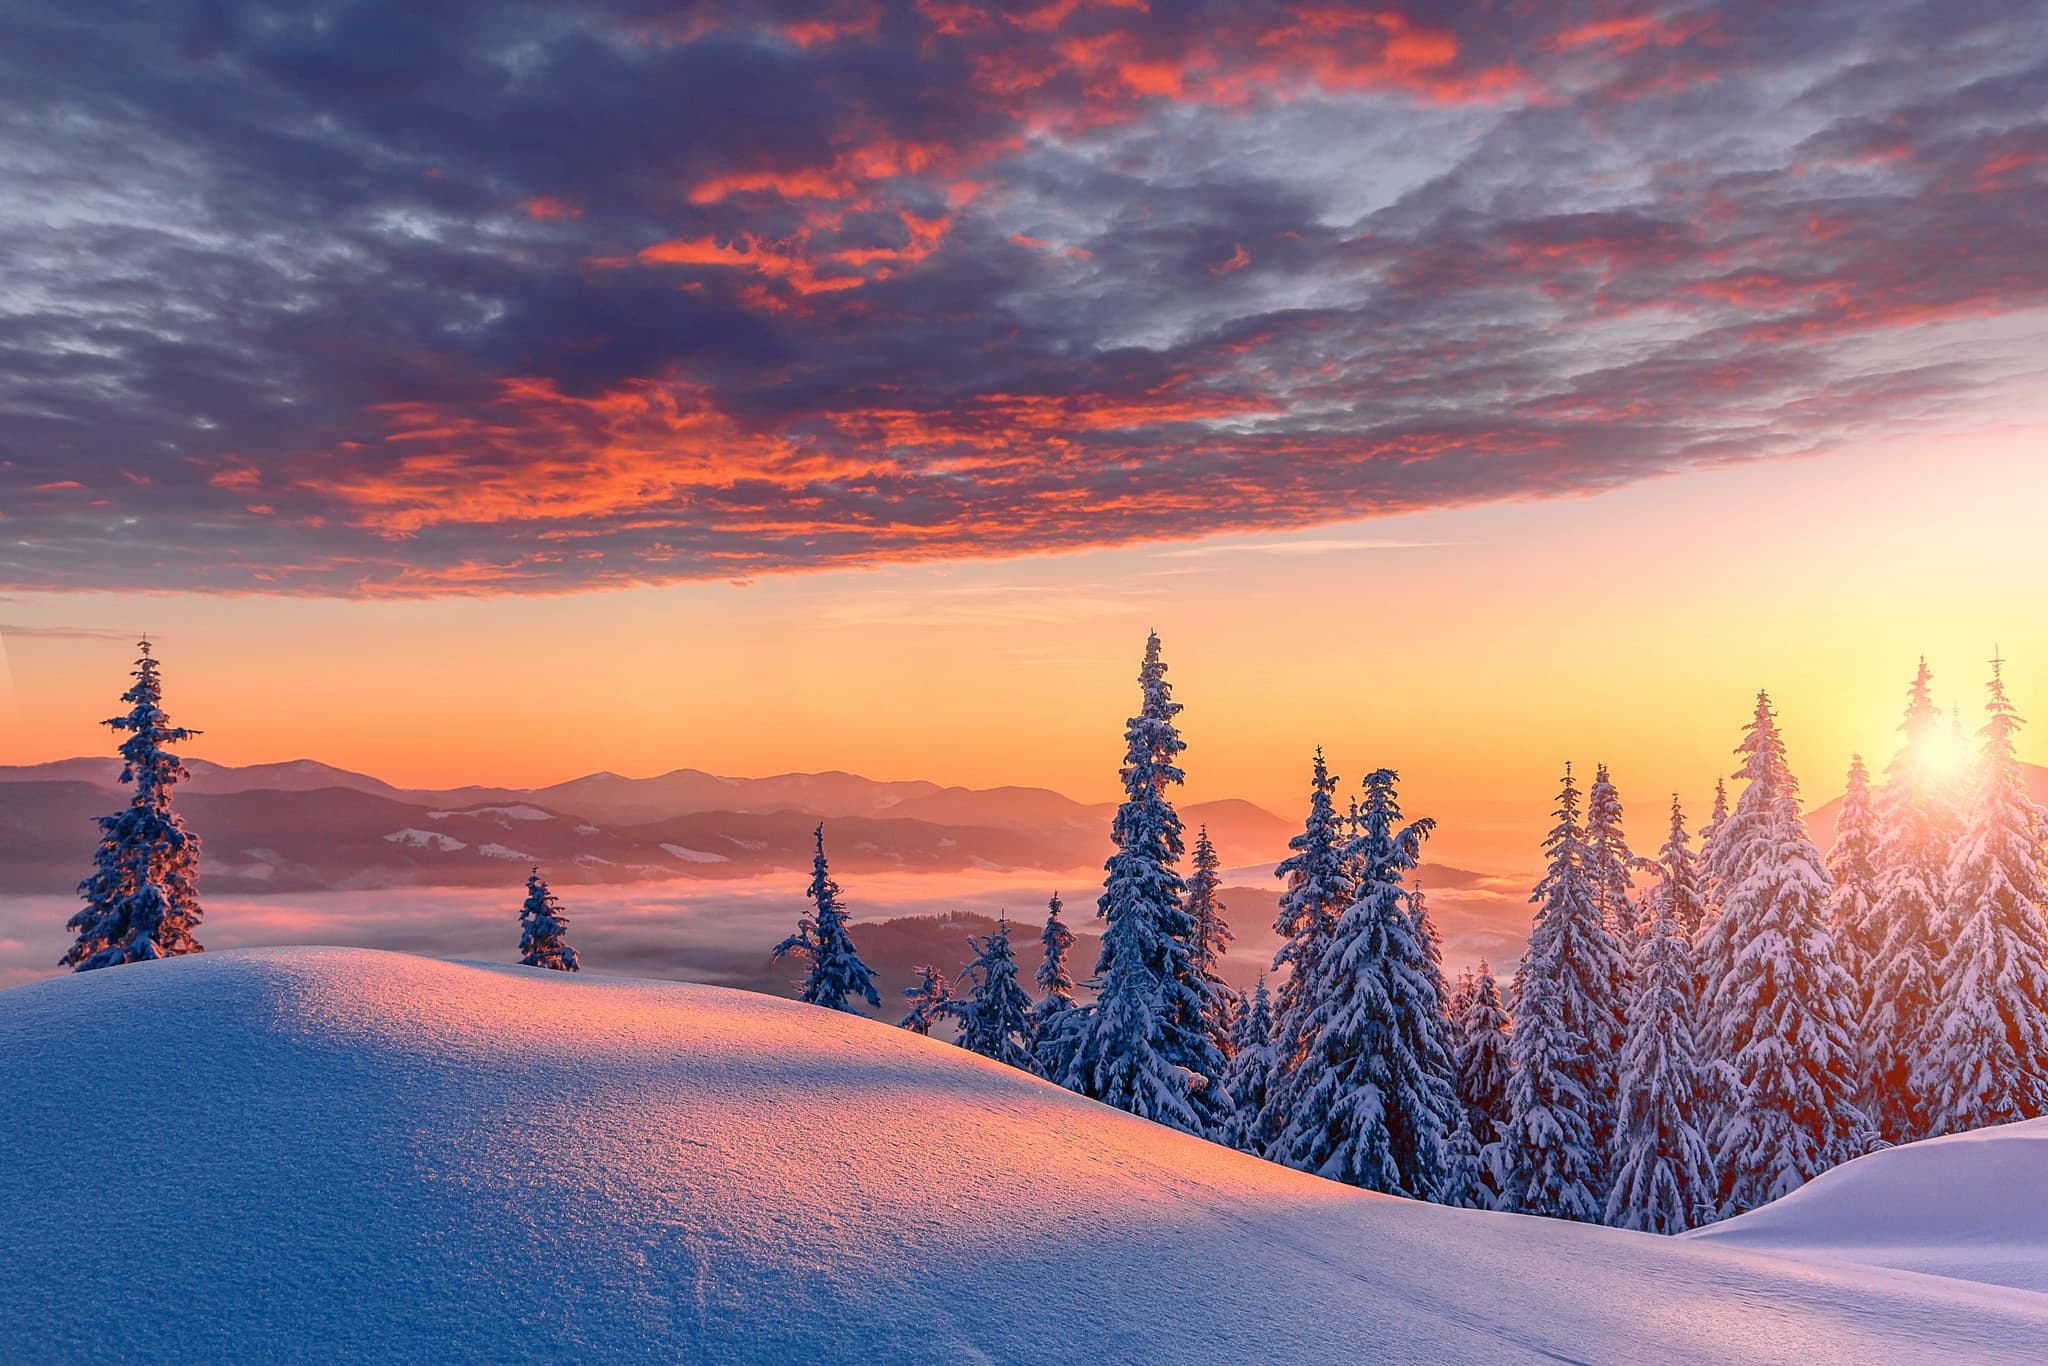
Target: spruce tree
[[1612, 865], [1777, 1004], [995, 1016], [1465, 1177], [1984, 1058], [931, 1000], [1206, 908], [1374, 1100], [142, 899], [1852, 867], [837, 976], [1316, 893], [1051, 1034], [1249, 1073], [1914, 846], [1145, 1046], [1481, 1061], [1710, 846], [1681, 886], [1560, 1101], [1663, 1179], [542, 927]]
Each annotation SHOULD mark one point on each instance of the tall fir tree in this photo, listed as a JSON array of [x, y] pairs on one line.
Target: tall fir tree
[[1915, 843], [1852, 868], [1144, 1046], [931, 1000], [1612, 865], [1710, 849], [1664, 1175], [1055, 979], [1205, 907], [1315, 894], [142, 898], [1249, 1073], [1481, 1062], [995, 1016], [1681, 886], [837, 976], [543, 929], [1561, 1097], [1777, 1005], [1984, 1057], [1374, 1103], [1211, 940]]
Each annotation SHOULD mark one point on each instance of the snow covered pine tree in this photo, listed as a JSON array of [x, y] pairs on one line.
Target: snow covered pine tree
[[837, 976], [1249, 1071], [1481, 1069], [1985, 1056], [1316, 894], [1374, 1103], [1144, 1046], [995, 1017], [1776, 1006], [541, 927], [931, 1000], [1561, 1095], [142, 899], [1663, 1171]]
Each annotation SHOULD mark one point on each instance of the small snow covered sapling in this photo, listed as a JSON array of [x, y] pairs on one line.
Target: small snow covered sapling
[[541, 927], [930, 1000]]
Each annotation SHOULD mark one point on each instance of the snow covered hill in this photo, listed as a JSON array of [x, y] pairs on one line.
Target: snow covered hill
[[321, 1153], [1970, 1205]]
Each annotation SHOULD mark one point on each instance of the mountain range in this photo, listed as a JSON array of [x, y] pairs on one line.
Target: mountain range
[[305, 825]]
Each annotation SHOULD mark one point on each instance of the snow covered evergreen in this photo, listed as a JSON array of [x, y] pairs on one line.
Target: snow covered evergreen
[[837, 976], [1464, 1183], [931, 1000], [1206, 908], [1250, 1072], [1145, 1046], [1984, 1056], [1317, 891], [142, 898], [1681, 885], [1915, 844], [1373, 1099], [1482, 1067], [1612, 866], [1664, 1177], [1710, 847], [1777, 1006], [1852, 868], [542, 928], [1565, 1041], [995, 1015]]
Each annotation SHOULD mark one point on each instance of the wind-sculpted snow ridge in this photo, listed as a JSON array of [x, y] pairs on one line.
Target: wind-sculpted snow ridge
[[1972, 1206], [276, 1155]]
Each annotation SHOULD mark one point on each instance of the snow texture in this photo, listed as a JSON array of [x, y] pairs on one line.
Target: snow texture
[[394, 1158]]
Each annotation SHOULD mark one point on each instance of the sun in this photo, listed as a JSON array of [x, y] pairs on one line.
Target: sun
[[1942, 754]]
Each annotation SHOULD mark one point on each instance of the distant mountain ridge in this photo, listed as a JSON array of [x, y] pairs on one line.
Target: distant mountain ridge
[[305, 825]]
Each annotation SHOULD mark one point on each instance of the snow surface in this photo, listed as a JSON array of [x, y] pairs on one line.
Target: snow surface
[[414, 838], [286, 1154], [1972, 1205], [693, 855], [517, 812]]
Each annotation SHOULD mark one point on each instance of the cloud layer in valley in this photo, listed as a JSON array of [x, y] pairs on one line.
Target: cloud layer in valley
[[361, 296]]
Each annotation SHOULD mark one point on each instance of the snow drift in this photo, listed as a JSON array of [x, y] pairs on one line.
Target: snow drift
[[1971, 1205], [283, 1154]]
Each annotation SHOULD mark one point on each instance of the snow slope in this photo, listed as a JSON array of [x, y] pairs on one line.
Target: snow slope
[[1971, 1205], [286, 1154]]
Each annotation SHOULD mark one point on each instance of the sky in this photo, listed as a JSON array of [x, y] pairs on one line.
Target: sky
[[500, 392]]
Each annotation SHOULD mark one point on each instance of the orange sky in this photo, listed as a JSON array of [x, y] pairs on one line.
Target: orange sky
[[1476, 650]]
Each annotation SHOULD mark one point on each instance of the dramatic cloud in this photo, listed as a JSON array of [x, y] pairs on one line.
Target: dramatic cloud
[[399, 298]]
